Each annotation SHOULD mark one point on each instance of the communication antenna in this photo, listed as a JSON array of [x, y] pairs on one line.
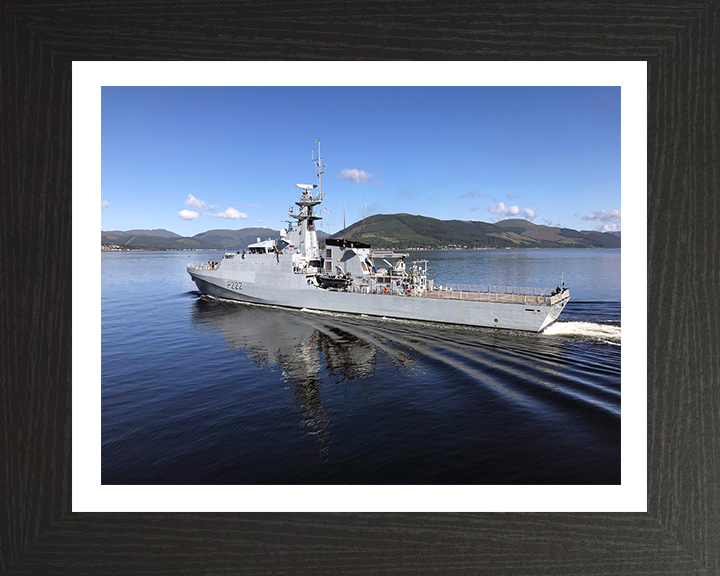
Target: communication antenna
[[363, 222], [321, 169], [362, 227]]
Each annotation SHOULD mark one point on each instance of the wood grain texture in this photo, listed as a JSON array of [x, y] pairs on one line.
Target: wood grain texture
[[681, 531]]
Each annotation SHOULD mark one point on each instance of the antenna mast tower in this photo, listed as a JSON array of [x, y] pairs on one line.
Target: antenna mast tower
[[321, 169]]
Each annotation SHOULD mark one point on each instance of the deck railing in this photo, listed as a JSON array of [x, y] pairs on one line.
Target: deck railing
[[490, 288], [499, 294]]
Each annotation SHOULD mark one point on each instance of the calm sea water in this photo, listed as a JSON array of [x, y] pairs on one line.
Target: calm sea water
[[203, 391]]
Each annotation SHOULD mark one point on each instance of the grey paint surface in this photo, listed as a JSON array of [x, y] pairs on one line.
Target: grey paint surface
[[266, 279]]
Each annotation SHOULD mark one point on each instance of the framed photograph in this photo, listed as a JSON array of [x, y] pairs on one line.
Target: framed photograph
[[71, 512]]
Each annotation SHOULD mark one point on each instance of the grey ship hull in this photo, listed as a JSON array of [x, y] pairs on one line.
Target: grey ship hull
[[266, 279]]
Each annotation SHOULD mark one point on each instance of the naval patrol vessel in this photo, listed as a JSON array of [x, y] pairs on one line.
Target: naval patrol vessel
[[350, 277]]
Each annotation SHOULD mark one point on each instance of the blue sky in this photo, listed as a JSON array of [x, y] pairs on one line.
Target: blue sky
[[194, 159]]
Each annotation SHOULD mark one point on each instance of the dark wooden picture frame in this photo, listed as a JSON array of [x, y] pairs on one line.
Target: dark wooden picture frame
[[680, 533]]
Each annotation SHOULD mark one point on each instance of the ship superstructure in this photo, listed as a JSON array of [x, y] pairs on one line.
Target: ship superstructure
[[349, 276]]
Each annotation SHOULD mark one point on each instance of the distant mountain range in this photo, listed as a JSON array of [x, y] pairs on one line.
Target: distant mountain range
[[389, 231], [403, 231], [158, 232], [160, 239]]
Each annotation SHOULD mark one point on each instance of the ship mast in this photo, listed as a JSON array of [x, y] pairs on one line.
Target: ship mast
[[307, 234], [321, 169]]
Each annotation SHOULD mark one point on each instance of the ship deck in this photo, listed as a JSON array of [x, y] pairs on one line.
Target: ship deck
[[500, 298]]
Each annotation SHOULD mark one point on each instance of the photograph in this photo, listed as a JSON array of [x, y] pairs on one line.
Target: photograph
[[361, 285]]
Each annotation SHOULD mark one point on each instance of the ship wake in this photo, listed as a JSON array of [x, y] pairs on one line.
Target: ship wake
[[606, 333]]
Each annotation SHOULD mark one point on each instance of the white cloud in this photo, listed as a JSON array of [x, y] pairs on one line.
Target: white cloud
[[603, 216], [194, 203], [212, 207], [188, 214], [529, 213], [251, 205], [610, 220], [104, 204], [470, 194], [511, 196], [500, 208], [231, 213], [474, 208], [359, 176]]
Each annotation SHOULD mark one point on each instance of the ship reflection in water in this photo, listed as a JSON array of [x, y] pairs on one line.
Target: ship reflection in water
[[305, 346]]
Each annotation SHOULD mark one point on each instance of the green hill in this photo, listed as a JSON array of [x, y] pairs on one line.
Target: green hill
[[391, 231], [147, 242], [235, 239], [403, 231], [239, 239], [566, 237], [160, 232], [211, 240]]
